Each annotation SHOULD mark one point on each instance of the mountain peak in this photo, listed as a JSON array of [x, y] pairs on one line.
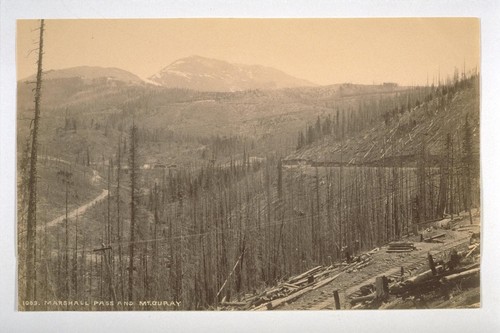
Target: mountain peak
[[207, 74]]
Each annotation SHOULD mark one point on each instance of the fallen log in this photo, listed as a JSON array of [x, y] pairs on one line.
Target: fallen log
[[474, 248], [272, 291], [325, 281], [316, 276], [428, 240], [433, 238], [399, 251], [466, 252], [400, 246], [258, 301], [418, 289], [233, 304], [362, 265], [401, 243], [251, 300], [309, 272], [422, 276], [290, 286], [326, 272], [277, 302], [277, 292], [361, 299], [350, 266], [468, 227], [463, 269], [358, 266], [453, 277]]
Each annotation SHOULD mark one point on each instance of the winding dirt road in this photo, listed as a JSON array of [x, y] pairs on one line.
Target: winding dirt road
[[78, 211]]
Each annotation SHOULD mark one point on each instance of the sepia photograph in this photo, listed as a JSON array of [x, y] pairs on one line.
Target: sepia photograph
[[248, 164]]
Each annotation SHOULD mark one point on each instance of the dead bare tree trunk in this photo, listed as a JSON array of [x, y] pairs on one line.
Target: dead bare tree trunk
[[66, 239], [133, 207], [119, 226], [31, 221]]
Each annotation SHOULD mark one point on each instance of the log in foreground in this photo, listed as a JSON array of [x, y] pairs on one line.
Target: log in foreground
[[325, 281], [462, 275], [309, 272], [275, 303]]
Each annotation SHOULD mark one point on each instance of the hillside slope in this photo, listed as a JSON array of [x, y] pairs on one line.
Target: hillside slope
[[400, 138], [78, 113]]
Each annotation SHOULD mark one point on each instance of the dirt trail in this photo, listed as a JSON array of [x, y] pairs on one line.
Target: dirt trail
[[78, 211], [96, 178]]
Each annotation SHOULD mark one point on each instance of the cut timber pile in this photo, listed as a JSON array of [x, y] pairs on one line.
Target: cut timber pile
[[398, 247], [359, 263], [295, 287], [303, 283]]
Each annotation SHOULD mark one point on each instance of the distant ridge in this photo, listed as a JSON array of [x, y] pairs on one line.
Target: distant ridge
[[89, 73]]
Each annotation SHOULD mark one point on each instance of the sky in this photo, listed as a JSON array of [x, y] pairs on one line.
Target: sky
[[324, 51]]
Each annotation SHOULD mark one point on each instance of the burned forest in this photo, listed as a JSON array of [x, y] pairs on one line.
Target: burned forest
[[136, 195]]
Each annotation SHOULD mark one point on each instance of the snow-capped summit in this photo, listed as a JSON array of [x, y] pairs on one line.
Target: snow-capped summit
[[205, 74]]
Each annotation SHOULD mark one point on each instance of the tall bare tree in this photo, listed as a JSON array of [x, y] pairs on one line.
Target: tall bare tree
[[32, 201], [468, 160], [133, 206]]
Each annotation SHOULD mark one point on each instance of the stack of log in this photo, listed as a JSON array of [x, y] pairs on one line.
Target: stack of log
[[399, 247], [313, 279], [286, 291], [358, 263], [295, 287]]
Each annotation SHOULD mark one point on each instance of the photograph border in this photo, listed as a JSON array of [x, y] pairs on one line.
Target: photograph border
[[484, 319]]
